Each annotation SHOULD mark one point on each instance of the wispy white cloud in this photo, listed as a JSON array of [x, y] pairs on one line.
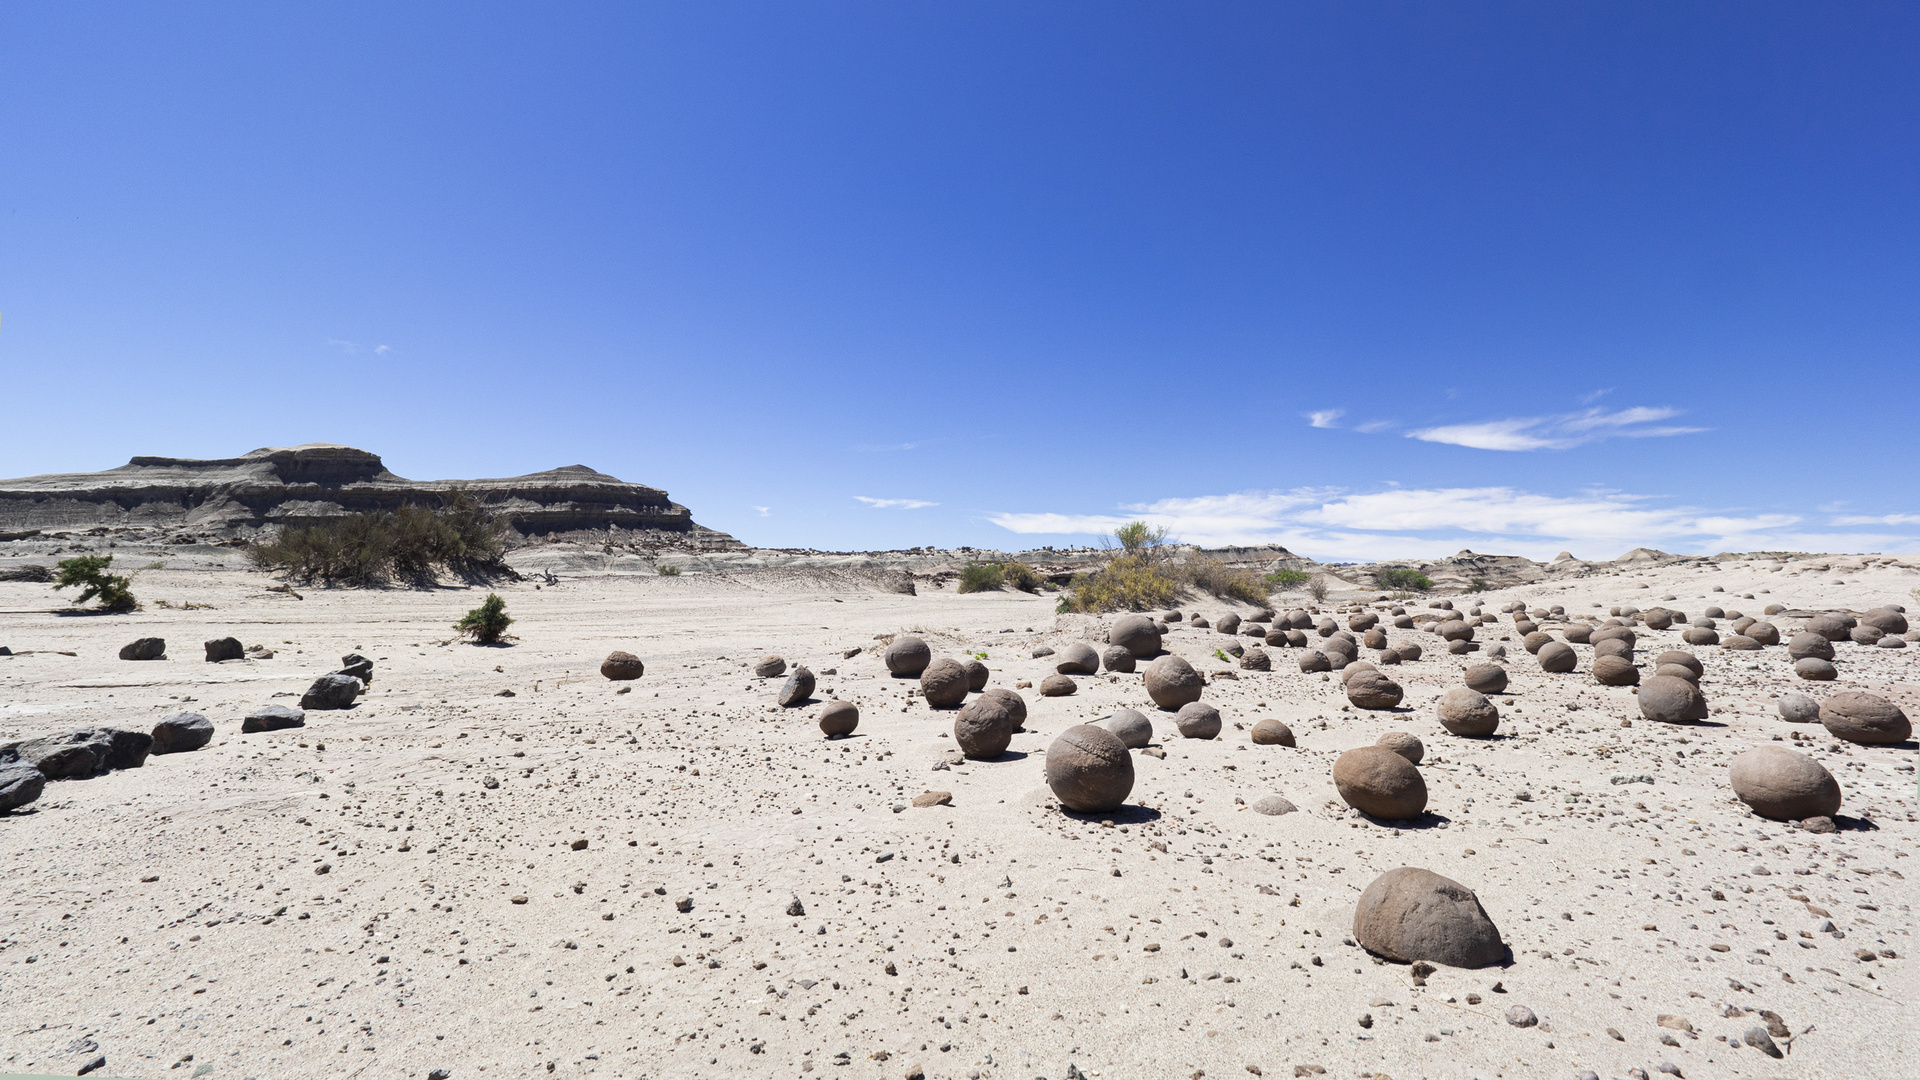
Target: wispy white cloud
[[1428, 522], [1883, 519], [895, 504], [1325, 418], [353, 347], [764, 511], [1373, 427], [886, 448], [1558, 432]]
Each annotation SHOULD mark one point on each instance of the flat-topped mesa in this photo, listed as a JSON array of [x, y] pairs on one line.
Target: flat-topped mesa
[[305, 484]]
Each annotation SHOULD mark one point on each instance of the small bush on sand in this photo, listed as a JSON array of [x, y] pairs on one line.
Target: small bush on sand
[[1128, 583], [412, 544], [90, 573], [982, 577], [1287, 580], [1478, 584], [487, 622], [1021, 576], [667, 571], [1405, 581], [1318, 587], [1222, 580]]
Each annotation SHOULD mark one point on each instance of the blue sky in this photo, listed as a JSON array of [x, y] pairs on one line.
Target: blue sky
[[1368, 280]]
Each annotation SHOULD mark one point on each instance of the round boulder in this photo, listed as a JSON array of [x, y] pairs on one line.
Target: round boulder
[[839, 718], [1578, 633], [1682, 658], [1077, 658], [1888, 620], [907, 656], [1228, 623], [1701, 635], [1197, 720], [1535, 640], [983, 729], [1465, 711], [1016, 706], [1271, 732], [1372, 690], [1403, 744], [1132, 727], [1671, 700], [1556, 656], [1831, 627], [1678, 671], [1615, 671], [1860, 717], [1172, 682], [1375, 638], [1454, 630], [1783, 784], [1613, 647], [1135, 633], [622, 666], [1116, 658], [944, 683], [1409, 652], [770, 667], [1814, 669], [1379, 782], [146, 648], [798, 689], [1739, 643], [1256, 660], [1798, 709], [1412, 915], [1314, 660], [1866, 634], [1089, 769], [1763, 632], [1057, 685], [977, 675]]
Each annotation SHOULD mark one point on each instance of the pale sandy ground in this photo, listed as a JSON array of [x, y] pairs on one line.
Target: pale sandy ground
[[1221, 946]]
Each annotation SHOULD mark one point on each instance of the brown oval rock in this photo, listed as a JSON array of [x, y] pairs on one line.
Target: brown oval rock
[[1615, 671], [1172, 682], [1403, 744], [798, 689], [1377, 781], [1887, 619], [944, 683], [1807, 644], [1057, 685], [839, 718], [1373, 690], [1613, 633], [1077, 658], [1256, 660], [1556, 656], [1314, 660], [1228, 623], [1412, 915], [1117, 659], [1739, 643], [1132, 727], [1669, 700], [1016, 706], [1486, 678], [1763, 632], [1860, 717], [1814, 669], [1866, 634], [1783, 784], [770, 667], [907, 656], [1135, 633], [1700, 635], [1409, 652], [1678, 671], [1197, 720], [1684, 659], [983, 729], [1271, 732], [622, 666], [1831, 627], [1465, 711], [1613, 647], [1089, 769], [1455, 630], [1535, 641], [977, 675], [1578, 633]]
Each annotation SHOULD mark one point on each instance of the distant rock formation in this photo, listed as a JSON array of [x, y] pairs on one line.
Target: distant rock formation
[[300, 485]]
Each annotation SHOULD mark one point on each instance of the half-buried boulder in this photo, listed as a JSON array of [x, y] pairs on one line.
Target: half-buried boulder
[[1869, 719], [272, 718], [1671, 700], [181, 732], [1413, 915], [146, 648], [1089, 769], [1783, 784], [1077, 658], [20, 784], [1379, 782], [1057, 685], [1814, 669], [226, 648], [1271, 732]]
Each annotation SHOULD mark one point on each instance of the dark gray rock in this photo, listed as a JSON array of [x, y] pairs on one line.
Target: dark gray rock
[[332, 692], [225, 648], [272, 718], [799, 688], [147, 648], [357, 666], [181, 732], [20, 784]]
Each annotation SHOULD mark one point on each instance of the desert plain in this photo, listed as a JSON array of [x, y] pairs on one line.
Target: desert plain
[[498, 862]]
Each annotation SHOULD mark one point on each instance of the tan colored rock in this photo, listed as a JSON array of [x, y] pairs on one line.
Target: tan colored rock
[[1377, 781]]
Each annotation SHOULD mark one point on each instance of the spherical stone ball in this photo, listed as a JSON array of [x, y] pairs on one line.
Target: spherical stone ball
[[1739, 626], [1117, 659], [1016, 705], [1057, 685], [1233, 647], [1089, 769], [1363, 621], [1700, 635], [1798, 709], [1077, 658], [1806, 643], [798, 689], [1455, 630], [1256, 660], [1831, 627], [1403, 744], [1739, 643], [1373, 690], [983, 729], [977, 675], [1860, 717], [839, 718], [1657, 618], [1227, 624], [1678, 671], [1464, 711], [1613, 647], [1613, 633], [1409, 652], [1671, 700], [1132, 727], [1375, 638], [1325, 626], [1557, 656], [1866, 634], [1197, 720], [1314, 660], [1684, 659], [1253, 630], [1411, 915], [1135, 633], [1172, 682], [1278, 638], [1615, 671], [1814, 669], [770, 667], [1377, 781], [1387, 656], [1888, 620], [907, 656], [1486, 678], [944, 683], [1171, 616], [1578, 633], [1783, 784], [1355, 667], [622, 666], [1532, 642], [1271, 732], [1763, 632]]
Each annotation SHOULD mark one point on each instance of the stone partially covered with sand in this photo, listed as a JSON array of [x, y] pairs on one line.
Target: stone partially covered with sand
[[1377, 781], [1271, 732], [1783, 784], [1412, 915], [1869, 719], [1089, 769], [1077, 658], [1057, 685], [1672, 700], [1172, 682]]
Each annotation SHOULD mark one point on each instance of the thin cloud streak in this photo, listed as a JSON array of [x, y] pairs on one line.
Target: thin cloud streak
[[1561, 432], [895, 504], [1325, 418]]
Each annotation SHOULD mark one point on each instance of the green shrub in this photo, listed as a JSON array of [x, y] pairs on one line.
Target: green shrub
[[487, 622], [412, 544], [1128, 583], [1021, 576], [667, 571], [982, 577], [90, 573], [1220, 579], [1478, 584], [1138, 536], [1404, 580], [1287, 580]]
